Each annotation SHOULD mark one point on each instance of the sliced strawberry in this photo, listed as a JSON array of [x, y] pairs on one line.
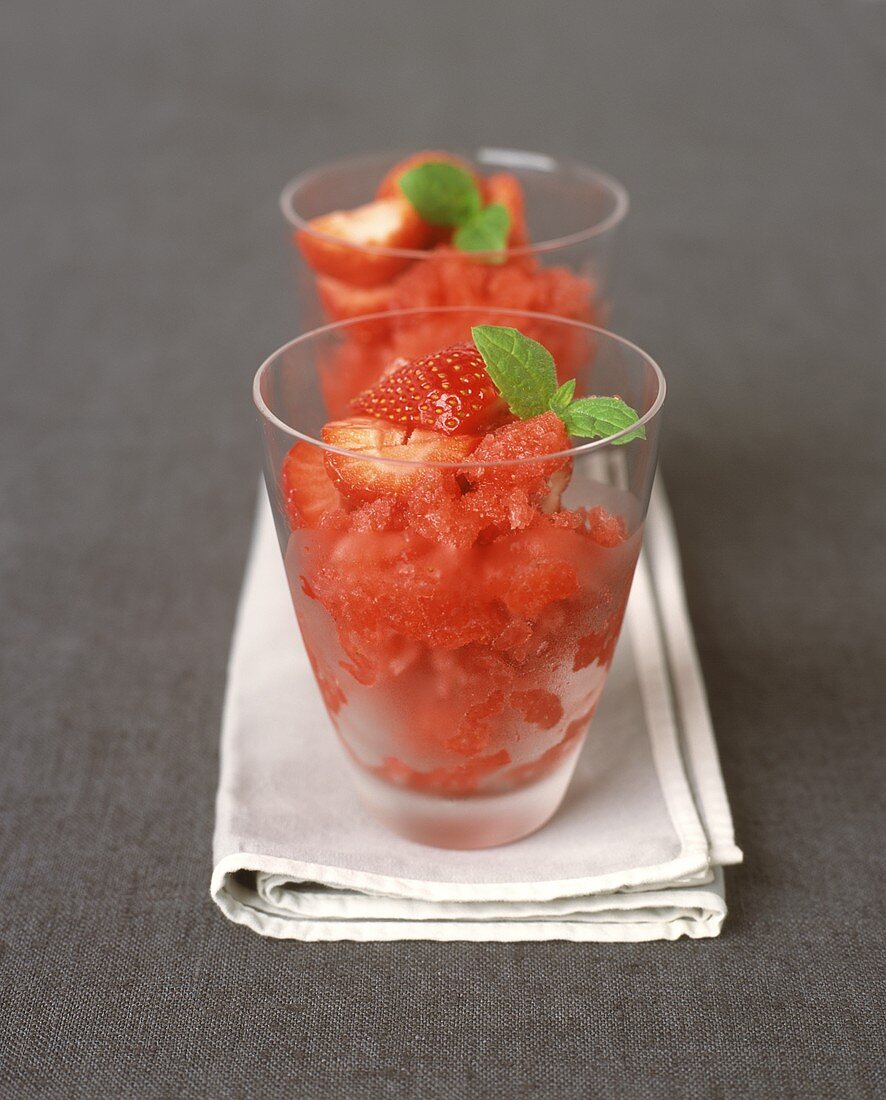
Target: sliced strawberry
[[363, 477], [449, 391], [506, 189], [336, 244], [307, 491], [342, 302], [390, 185]]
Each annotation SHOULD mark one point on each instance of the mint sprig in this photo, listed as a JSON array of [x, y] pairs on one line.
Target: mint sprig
[[523, 370], [524, 374], [486, 231], [596, 417], [442, 194], [446, 195], [562, 398]]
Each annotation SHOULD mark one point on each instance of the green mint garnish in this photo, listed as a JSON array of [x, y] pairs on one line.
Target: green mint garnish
[[446, 195], [523, 370], [524, 374], [562, 399], [486, 231], [596, 417], [442, 194]]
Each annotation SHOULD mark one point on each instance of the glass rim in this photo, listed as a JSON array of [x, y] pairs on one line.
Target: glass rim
[[516, 157], [466, 464]]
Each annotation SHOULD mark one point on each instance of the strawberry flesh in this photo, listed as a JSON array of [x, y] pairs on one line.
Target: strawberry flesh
[[342, 302], [363, 477], [308, 494], [449, 392], [337, 244], [505, 188]]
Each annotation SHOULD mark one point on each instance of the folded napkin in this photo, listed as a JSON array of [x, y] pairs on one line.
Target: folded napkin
[[634, 853]]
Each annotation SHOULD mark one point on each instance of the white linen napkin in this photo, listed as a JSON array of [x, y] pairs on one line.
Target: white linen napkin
[[634, 853]]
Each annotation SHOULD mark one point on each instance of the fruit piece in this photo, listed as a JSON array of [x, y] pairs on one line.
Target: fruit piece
[[307, 491], [505, 188], [337, 244], [365, 478], [348, 368], [341, 301], [390, 185], [449, 391]]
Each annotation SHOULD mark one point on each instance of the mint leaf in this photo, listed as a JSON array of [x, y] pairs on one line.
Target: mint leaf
[[486, 231], [596, 417], [442, 194], [525, 375], [446, 195], [522, 369], [562, 398]]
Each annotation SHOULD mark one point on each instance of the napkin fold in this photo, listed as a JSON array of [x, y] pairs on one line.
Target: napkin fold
[[635, 852]]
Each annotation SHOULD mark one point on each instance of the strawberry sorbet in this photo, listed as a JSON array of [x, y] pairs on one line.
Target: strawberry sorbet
[[459, 618], [385, 256]]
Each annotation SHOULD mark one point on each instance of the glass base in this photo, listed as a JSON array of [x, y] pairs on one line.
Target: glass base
[[481, 821]]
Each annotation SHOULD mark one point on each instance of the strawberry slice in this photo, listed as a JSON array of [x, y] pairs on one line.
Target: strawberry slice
[[390, 185], [363, 478], [343, 302], [449, 391], [506, 189], [336, 244], [307, 491]]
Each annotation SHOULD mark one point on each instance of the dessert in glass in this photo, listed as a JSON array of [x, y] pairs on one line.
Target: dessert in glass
[[387, 232], [459, 549]]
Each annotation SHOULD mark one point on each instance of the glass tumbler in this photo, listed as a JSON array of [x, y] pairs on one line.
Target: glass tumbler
[[572, 213], [460, 661]]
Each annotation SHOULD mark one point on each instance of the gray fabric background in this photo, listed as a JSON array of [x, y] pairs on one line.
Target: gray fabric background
[[145, 275]]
